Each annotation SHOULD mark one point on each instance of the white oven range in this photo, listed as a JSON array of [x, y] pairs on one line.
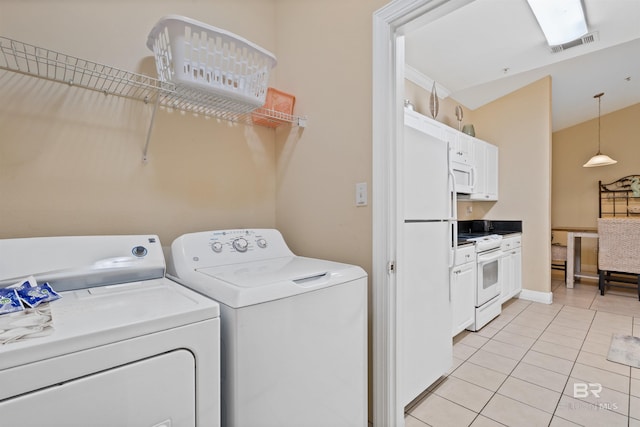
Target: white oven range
[[488, 285]]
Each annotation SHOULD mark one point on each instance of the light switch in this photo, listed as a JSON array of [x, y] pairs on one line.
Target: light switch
[[361, 194]]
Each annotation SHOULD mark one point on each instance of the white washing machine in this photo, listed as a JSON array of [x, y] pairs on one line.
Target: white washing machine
[[124, 346], [294, 329]]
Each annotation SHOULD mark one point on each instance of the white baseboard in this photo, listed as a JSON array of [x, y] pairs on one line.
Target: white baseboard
[[536, 296]]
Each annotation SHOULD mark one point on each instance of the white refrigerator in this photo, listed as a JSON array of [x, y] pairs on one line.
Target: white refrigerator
[[425, 254]]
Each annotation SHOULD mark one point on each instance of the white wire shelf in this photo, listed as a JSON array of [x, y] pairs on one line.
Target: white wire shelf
[[47, 64]]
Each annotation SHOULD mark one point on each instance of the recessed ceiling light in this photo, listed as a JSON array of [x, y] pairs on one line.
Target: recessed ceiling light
[[561, 21]]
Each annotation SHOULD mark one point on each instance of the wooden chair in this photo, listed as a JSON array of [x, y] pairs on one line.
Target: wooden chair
[[619, 253], [559, 258]]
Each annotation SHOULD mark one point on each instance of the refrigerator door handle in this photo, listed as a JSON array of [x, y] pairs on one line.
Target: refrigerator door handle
[[454, 245], [453, 218], [453, 200]]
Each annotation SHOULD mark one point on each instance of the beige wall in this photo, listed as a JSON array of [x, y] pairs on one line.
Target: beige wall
[[202, 173], [520, 125], [324, 49], [575, 189], [325, 59], [71, 159]]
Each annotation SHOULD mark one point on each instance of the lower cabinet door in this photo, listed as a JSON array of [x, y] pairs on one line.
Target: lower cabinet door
[[463, 282]]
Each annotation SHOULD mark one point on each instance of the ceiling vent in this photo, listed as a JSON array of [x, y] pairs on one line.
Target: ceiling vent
[[586, 39]]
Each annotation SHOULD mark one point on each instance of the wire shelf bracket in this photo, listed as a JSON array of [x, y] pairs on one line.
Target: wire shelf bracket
[[50, 65]]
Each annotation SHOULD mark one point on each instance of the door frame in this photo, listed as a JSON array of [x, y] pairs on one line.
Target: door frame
[[390, 23]]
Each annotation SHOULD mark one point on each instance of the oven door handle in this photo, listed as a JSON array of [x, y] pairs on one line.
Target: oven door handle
[[489, 257]]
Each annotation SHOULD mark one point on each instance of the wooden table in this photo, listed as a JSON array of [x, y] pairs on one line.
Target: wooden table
[[574, 247]]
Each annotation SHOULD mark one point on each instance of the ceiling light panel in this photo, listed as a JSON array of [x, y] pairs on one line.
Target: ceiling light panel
[[561, 21]]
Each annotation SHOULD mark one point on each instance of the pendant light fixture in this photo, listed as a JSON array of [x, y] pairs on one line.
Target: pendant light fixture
[[599, 159]]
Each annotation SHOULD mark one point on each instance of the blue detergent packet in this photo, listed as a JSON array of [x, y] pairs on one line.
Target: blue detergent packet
[[33, 294], [10, 301]]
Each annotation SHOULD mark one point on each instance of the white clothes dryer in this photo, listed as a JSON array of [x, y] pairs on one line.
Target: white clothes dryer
[[124, 346], [293, 329]]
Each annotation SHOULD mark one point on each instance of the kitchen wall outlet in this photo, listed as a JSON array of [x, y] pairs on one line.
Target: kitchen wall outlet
[[361, 194], [469, 209]]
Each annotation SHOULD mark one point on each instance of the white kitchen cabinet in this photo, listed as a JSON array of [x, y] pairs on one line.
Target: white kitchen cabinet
[[511, 267], [491, 162], [463, 283], [461, 146], [485, 160], [426, 124]]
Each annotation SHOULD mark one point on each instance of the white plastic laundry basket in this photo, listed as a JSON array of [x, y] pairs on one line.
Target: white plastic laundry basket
[[197, 56]]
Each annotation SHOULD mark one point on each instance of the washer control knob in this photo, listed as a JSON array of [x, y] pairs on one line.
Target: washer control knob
[[139, 251], [216, 247], [262, 243], [240, 244]]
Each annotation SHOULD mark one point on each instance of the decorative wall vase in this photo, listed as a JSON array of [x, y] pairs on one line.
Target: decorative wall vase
[[434, 105], [459, 115]]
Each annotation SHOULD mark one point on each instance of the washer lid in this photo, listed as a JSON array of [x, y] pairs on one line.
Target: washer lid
[[243, 284], [93, 317]]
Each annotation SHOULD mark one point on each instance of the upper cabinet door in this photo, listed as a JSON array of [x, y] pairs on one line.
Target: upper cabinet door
[[491, 161], [486, 164], [463, 151]]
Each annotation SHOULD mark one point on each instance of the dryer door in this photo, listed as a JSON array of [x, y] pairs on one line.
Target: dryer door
[[154, 392]]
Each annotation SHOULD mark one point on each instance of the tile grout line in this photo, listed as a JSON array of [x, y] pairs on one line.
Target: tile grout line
[[633, 327], [521, 361], [510, 372], [527, 352], [512, 317], [467, 361], [573, 364]]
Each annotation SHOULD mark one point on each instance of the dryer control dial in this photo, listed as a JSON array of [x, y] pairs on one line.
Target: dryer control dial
[[216, 247], [262, 243], [241, 244]]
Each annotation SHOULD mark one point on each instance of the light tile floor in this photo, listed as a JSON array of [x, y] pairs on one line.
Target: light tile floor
[[521, 368]]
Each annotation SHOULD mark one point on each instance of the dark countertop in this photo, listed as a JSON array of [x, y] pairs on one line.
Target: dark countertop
[[482, 227], [479, 228]]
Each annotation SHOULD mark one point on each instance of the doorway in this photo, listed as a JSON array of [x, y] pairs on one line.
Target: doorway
[[390, 24]]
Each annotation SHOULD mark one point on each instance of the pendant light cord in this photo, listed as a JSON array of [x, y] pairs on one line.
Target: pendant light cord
[[598, 96], [599, 159]]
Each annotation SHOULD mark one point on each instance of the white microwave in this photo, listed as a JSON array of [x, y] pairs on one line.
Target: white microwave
[[465, 176]]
